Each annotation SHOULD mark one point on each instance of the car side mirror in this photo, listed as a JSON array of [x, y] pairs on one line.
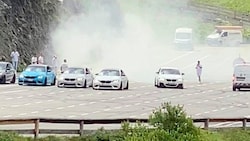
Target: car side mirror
[[123, 75], [182, 73], [97, 74], [157, 72]]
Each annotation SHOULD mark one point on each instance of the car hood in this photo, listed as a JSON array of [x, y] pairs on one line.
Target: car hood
[[170, 76], [72, 75], [31, 73], [107, 78]]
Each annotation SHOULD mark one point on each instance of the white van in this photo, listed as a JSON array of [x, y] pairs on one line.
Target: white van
[[241, 76], [225, 36], [184, 38]]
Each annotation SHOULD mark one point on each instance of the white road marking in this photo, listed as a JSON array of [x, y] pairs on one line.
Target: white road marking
[[92, 102], [7, 116], [22, 114], [34, 112], [9, 98], [117, 107], [15, 105], [108, 109], [82, 104], [16, 91], [60, 108], [71, 106], [84, 114], [137, 103], [26, 104], [95, 112], [47, 110]]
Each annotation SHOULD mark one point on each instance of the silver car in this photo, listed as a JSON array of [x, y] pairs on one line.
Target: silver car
[[169, 77], [111, 79], [7, 73], [76, 77]]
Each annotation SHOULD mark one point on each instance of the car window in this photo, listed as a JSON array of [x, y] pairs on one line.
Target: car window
[[170, 71], [36, 68], [74, 71], [109, 73], [49, 68]]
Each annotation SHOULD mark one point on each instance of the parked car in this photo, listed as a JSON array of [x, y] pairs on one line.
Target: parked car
[[169, 77], [76, 77], [111, 79], [37, 74], [7, 73], [241, 76]]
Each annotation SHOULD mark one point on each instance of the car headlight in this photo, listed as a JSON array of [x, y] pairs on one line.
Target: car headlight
[[116, 81], [180, 79], [21, 76], [61, 78], [79, 79], [40, 77], [161, 79]]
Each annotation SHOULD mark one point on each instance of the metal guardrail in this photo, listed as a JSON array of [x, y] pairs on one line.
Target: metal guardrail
[[81, 122], [243, 18]]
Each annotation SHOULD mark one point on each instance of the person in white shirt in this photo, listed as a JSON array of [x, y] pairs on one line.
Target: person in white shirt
[[54, 63], [34, 60], [40, 59], [14, 58], [199, 70], [64, 66]]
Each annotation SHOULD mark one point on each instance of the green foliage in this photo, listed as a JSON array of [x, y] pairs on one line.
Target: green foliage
[[174, 120], [236, 5]]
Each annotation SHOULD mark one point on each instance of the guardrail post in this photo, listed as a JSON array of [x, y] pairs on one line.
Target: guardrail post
[[36, 132], [244, 123], [81, 127], [206, 124]]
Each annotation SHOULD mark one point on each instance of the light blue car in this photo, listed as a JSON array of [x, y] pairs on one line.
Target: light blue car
[[37, 74]]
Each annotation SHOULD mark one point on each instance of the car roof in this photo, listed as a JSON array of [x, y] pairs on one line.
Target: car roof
[[184, 29], [4, 62], [78, 67], [169, 68], [38, 65], [111, 69]]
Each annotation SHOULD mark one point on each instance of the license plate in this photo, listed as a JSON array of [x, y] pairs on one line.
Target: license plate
[[29, 79]]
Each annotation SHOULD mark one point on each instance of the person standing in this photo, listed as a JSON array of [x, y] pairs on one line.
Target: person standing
[[14, 58], [64, 66], [54, 63], [34, 59], [199, 70], [40, 59]]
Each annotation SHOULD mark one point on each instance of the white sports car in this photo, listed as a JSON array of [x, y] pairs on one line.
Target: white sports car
[[111, 79], [169, 77], [76, 77]]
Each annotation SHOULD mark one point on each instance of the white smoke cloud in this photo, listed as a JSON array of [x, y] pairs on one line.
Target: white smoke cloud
[[107, 36]]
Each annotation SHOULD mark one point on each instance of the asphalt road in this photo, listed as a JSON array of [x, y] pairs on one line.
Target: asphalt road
[[212, 98]]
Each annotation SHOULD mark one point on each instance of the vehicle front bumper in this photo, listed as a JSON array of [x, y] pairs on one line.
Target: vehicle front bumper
[[241, 85], [74, 83], [31, 81], [107, 85], [170, 83]]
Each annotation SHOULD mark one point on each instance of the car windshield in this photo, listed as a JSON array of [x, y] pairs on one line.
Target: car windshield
[[109, 73], [2, 66], [36, 68], [74, 71], [170, 71]]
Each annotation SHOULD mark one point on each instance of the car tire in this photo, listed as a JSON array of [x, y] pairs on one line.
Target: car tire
[[120, 86], [234, 88], [45, 82], [126, 88], [161, 85], [54, 82], [85, 84], [180, 86], [13, 79], [3, 80]]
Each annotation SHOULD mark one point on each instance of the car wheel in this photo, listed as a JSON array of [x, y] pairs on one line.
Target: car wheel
[[54, 82], [3, 80], [126, 88], [45, 82], [85, 84], [234, 88], [180, 86], [13, 79], [161, 85], [120, 86]]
